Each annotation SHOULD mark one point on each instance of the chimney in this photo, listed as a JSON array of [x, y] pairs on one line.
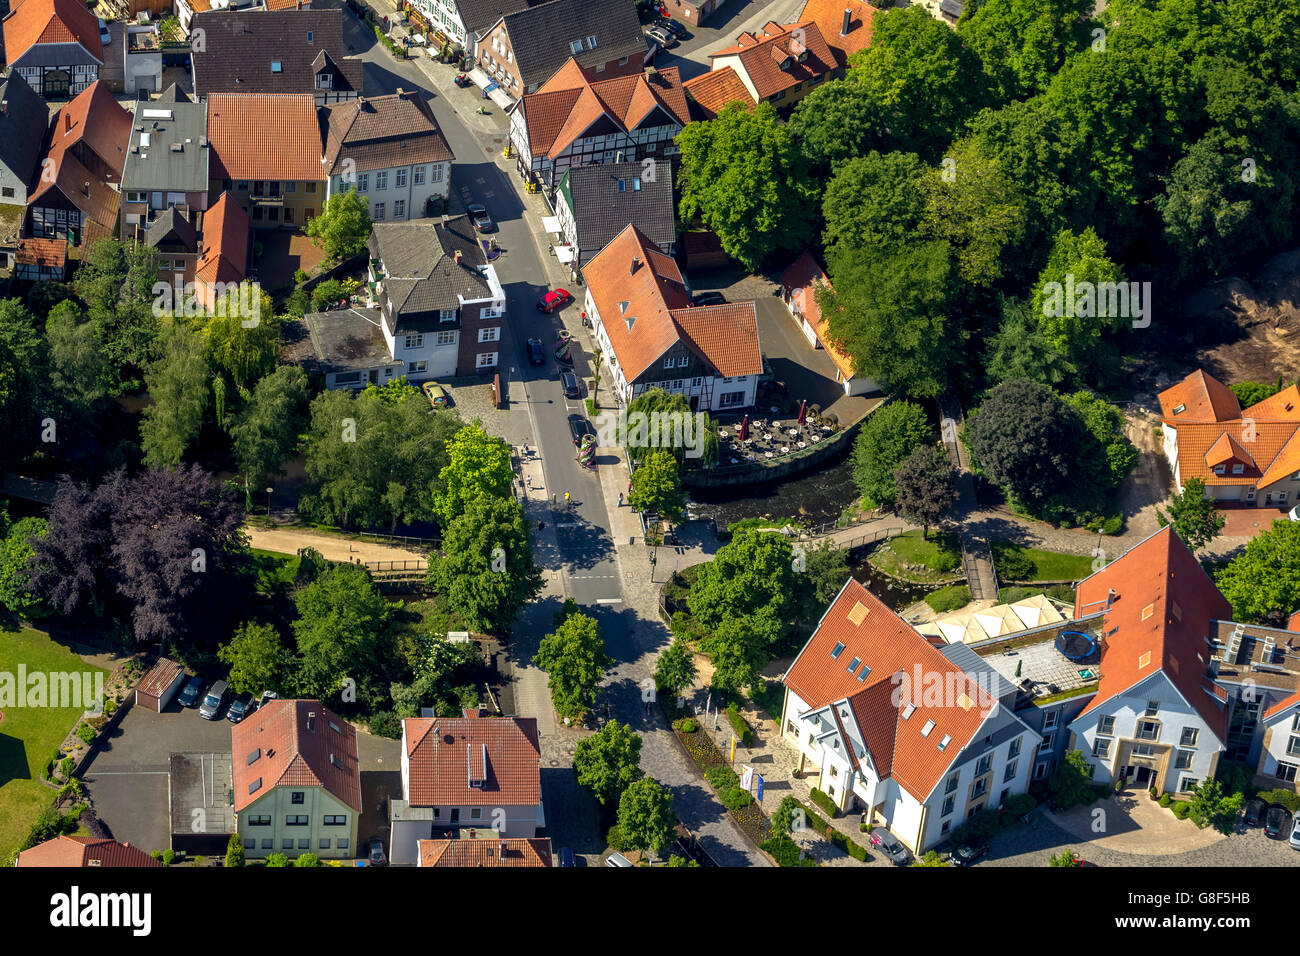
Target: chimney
[[445, 219], [457, 257], [844, 26], [67, 121], [470, 712], [636, 264], [85, 188], [401, 92]]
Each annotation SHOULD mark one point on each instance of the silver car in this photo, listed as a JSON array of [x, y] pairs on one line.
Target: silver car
[[1295, 831], [662, 36]]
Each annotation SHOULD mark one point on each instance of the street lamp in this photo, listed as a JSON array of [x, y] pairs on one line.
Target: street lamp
[[268, 504]]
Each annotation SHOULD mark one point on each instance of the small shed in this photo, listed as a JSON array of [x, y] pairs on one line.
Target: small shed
[[160, 685]]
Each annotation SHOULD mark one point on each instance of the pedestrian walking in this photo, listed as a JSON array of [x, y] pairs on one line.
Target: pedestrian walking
[[566, 497], [528, 481], [620, 499], [540, 524]]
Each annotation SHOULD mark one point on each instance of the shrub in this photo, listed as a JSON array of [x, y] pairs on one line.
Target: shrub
[[786, 852], [384, 723], [948, 599], [734, 798], [156, 854], [823, 801], [1014, 565], [1165, 799], [326, 293], [300, 276], [1018, 805], [857, 851], [1112, 524], [931, 858], [86, 733], [1182, 808], [235, 851], [307, 859], [1283, 798], [616, 839], [982, 825], [721, 777], [277, 859], [686, 725], [168, 856]]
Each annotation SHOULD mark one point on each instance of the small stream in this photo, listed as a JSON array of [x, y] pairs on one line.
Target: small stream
[[813, 498]]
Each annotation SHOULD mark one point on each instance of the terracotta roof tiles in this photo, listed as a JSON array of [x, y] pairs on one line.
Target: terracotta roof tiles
[[223, 252], [829, 17], [447, 753], [297, 743], [84, 851], [513, 853], [761, 56], [713, 90], [50, 21], [237, 127]]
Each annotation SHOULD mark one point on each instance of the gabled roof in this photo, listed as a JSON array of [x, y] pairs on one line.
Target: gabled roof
[[478, 15], [447, 765], [1227, 449], [726, 336], [1202, 398], [170, 224], [238, 125], [83, 851], [540, 36], [50, 21], [241, 50], [803, 278], [93, 119], [762, 54], [22, 126], [223, 252], [829, 17], [1282, 705], [606, 197], [1158, 621], [905, 748], [420, 266], [295, 743], [43, 253], [713, 90], [515, 853], [567, 105], [377, 132]]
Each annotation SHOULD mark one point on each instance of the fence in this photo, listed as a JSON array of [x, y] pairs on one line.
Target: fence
[[871, 538], [388, 567]]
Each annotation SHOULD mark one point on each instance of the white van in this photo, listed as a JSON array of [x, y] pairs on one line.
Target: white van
[[617, 859]]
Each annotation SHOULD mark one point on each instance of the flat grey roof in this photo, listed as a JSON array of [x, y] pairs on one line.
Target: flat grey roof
[[347, 339], [160, 165], [202, 793]]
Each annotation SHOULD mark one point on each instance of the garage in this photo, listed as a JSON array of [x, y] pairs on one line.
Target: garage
[[160, 685]]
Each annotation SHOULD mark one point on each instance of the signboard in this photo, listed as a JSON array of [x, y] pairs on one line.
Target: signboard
[[746, 777]]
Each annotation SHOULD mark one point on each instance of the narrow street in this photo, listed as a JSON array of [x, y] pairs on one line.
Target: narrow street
[[586, 550]]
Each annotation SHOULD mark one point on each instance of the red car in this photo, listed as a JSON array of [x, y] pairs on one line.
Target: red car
[[553, 301]]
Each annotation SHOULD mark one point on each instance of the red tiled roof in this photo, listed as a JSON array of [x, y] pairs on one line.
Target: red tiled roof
[[81, 851], [1289, 701], [1282, 407], [713, 90], [567, 104], [50, 21], [829, 17], [296, 749], [889, 647], [160, 677], [223, 252], [1227, 449], [238, 127], [491, 851], [45, 253], [726, 335], [762, 54], [1203, 397], [1159, 621], [444, 751], [802, 279], [377, 132]]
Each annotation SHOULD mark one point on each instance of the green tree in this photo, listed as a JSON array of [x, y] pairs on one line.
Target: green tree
[[749, 580], [1210, 807], [926, 486], [574, 658], [609, 761], [654, 405], [240, 342], [16, 554], [1019, 349], [825, 569], [341, 617], [307, 859], [738, 649], [178, 384], [78, 369], [24, 360], [1106, 456], [1071, 782], [835, 123], [478, 466], [645, 812], [1079, 331], [1262, 583], [343, 229], [257, 658], [234, 851], [267, 431], [117, 283], [1023, 438], [486, 570], [1252, 393], [788, 817], [657, 487], [1023, 43], [742, 175], [674, 669], [889, 310], [888, 436], [873, 199]]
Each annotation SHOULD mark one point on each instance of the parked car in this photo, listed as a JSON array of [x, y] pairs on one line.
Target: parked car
[[708, 298], [1254, 814], [579, 427], [210, 709], [569, 382], [105, 38], [1276, 822], [536, 352], [266, 698], [1294, 513], [663, 36], [566, 856], [890, 846], [617, 859], [377, 857], [436, 394], [554, 301], [968, 854], [1295, 831], [676, 28], [478, 214], [191, 692], [239, 708]]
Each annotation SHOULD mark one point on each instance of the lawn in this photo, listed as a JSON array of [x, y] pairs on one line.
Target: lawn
[[274, 569], [1033, 564], [949, 598], [939, 556], [29, 735]]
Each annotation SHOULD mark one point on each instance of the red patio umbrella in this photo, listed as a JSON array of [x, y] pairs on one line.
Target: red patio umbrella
[[744, 429], [803, 412]]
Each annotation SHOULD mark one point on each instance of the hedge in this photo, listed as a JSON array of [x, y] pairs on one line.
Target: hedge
[[786, 852], [743, 733], [823, 801], [686, 725], [834, 836]]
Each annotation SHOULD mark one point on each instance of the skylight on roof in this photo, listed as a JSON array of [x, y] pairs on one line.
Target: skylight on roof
[[907, 711], [862, 674], [853, 664], [1179, 409], [839, 649], [275, 66], [929, 726], [253, 757], [255, 786], [947, 739]]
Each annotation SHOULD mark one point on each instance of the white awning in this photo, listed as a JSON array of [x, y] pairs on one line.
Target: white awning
[[480, 78], [564, 254], [551, 224]]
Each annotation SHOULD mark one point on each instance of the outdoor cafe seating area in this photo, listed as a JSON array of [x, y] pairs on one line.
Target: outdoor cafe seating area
[[769, 439]]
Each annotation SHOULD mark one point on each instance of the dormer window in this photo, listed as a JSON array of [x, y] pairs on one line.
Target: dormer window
[[324, 81], [591, 43], [1238, 469], [575, 47], [1218, 469]]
